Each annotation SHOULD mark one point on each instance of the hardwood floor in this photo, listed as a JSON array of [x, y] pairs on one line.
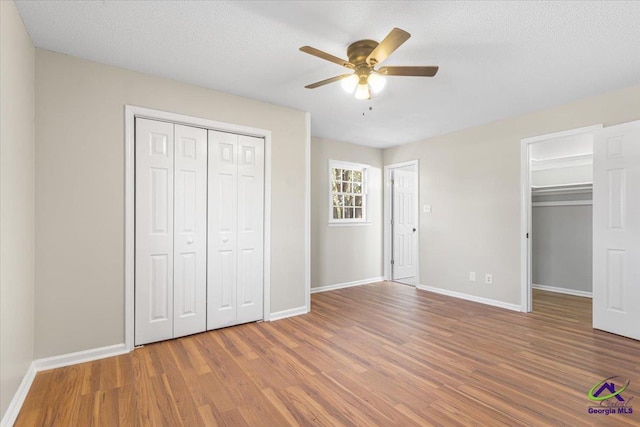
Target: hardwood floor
[[382, 354]]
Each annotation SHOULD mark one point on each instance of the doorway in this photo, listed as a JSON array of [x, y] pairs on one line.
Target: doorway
[[557, 218], [243, 149], [401, 224]]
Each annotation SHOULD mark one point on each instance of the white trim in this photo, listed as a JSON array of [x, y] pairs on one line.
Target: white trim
[[387, 216], [565, 291], [298, 311], [326, 288], [333, 164], [350, 224], [13, 410], [468, 297], [525, 207], [79, 357], [562, 203], [131, 112], [307, 215], [562, 162]]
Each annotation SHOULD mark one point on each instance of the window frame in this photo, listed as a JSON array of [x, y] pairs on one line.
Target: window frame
[[364, 169]]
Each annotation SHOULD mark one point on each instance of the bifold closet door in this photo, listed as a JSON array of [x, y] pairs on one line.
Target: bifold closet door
[[170, 247], [235, 229], [190, 231]]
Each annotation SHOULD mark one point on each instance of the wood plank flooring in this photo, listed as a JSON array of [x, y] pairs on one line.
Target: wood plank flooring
[[382, 354]]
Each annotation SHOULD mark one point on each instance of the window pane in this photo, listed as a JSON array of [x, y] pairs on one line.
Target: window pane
[[348, 200], [346, 187], [358, 200], [336, 201], [335, 186], [346, 175], [348, 212], [340, 201], [337, 213], [337, 173], [357, 188], [358, 213], [357, 176]]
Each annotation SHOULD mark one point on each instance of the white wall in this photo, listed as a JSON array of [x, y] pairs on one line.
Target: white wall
[[80, 193], [16, 201], [562, 176], [345, 253], [472, 180]]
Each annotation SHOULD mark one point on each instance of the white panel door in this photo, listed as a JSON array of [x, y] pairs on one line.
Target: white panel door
[[404, 225], [190, 231], [223, 229], [154, 231], [250, 228], [616, 230], [236, 230]]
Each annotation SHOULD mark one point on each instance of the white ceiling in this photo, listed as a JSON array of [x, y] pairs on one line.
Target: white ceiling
[[497, 59]]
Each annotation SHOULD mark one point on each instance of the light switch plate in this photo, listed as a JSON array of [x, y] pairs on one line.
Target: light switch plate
[[426, 208]]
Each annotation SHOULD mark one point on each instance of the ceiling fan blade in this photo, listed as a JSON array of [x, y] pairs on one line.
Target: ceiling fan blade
[[387, 46], [327, 81], [409, 71], [326, 56]]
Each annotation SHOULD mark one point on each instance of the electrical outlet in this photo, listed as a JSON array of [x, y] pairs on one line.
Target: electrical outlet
[[472, 276], [426, 208], [488, 278]]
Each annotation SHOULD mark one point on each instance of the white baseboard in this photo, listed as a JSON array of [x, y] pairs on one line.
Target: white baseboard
[[15, 405], [79, 357], [468, 297], [346, 284], [288, 313], [566, 291]]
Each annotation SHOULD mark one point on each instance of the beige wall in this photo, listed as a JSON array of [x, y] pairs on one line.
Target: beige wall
[[80, 193], [472, 180], [16, 201], [344, 254]]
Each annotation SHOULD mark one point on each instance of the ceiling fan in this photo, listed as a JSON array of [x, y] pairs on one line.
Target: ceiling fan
[[364, 56]]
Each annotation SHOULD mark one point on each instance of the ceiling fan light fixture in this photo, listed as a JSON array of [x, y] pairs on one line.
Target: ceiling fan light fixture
[[349, 84], [362, 91], [376, 82]]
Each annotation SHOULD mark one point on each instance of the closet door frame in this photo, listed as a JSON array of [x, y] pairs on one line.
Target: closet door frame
[[133, 112]]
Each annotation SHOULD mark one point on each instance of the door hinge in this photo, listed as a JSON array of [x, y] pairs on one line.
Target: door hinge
[[527, 235], [391, 262]]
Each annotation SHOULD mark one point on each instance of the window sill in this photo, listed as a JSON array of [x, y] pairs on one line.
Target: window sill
[[350, 224]]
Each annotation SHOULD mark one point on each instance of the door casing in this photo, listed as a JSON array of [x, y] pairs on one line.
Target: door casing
[[388, 238], [133, 112], [525, 207]]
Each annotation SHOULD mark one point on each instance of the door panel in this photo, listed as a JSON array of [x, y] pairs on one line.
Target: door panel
[[404, 225], [223, 242], [154, 231], [616, 230], [250, 228], [190, 231]]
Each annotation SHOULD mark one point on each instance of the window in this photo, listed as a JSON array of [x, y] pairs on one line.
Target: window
[[347, 193]]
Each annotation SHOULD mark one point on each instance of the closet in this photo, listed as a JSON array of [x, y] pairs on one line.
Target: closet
[[199, 209]]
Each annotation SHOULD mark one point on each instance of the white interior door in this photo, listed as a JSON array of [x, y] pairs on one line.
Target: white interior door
[[236, 210], [250, 229], [616, 230], [190, 231], [154, 231], [223, 227], [404, 225]]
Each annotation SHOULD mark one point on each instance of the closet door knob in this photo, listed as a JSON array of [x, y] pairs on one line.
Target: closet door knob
[[189, 241], [225, 239]]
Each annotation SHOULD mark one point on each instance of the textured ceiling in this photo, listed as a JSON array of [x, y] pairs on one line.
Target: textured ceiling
[[497, 59]]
